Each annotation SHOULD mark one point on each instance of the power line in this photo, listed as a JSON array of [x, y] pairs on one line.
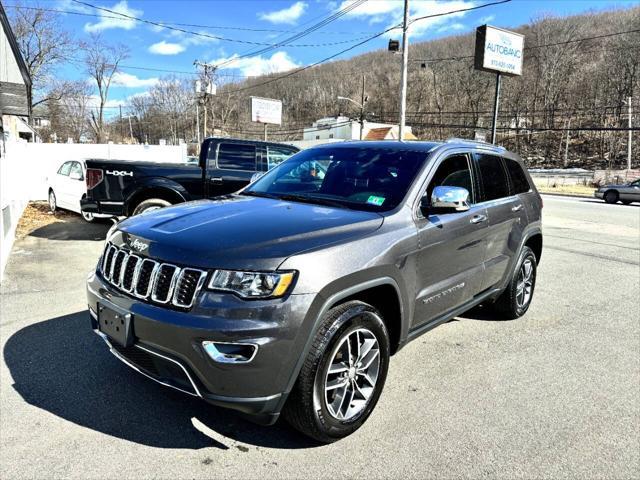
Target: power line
[[532, 47], [331, 18], [379, 34], [192, 25], [201, 34]]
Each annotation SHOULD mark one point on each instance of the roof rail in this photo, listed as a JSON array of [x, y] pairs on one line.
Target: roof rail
[[475, 142]]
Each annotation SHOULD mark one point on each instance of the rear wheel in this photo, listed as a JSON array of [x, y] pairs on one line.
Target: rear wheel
[[150, 205], [343, 375], [516, 299], [88, 216], [52, 201], [611, 196]]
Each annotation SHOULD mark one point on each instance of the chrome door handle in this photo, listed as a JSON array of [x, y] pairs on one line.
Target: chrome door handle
[[517, 208], [216, 179], [478, 218]]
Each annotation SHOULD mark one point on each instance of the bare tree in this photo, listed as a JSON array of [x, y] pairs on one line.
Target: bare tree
[[101, 62], [43, 43]]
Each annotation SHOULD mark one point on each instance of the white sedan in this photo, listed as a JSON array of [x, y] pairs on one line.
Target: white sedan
[[67, 187]]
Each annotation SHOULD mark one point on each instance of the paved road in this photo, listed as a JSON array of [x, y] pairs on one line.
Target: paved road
[[554, 394]]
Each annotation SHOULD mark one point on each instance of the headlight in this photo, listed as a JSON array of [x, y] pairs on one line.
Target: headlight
[[252, 284]]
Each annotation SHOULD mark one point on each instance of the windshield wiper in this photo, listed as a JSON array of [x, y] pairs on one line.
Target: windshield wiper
[[308, 199]]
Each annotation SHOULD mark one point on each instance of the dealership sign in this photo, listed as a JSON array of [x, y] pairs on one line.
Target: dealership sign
[[499, 50], [266, 110]]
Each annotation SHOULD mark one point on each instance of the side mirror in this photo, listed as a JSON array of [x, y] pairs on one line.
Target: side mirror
[[448, 198]]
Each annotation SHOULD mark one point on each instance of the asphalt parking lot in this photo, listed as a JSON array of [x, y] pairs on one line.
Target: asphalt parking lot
[[554, 394]]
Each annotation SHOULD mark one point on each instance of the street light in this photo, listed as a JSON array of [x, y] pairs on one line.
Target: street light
[[360, 105]]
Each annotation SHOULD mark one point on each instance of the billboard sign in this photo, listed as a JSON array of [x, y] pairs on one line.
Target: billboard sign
[[266, 110], [499, 50]]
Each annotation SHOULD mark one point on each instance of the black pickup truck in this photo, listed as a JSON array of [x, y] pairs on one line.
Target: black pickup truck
[[125, 188]]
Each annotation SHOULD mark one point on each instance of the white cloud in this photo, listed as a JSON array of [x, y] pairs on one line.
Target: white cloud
[[166, 48], [287, 15], [253, 66], [126, 80], [106, 22], [392, 12], [452, 27], [487, 19]]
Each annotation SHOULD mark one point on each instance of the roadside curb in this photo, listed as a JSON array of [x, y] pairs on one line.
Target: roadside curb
[[575, 195]]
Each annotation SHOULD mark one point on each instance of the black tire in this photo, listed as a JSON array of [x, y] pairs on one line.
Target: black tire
[[150, 204], [510, 304], [53, 202], [306, 409], [611, 196]]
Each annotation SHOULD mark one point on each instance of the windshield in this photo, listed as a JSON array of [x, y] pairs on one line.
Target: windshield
[[360, 178]]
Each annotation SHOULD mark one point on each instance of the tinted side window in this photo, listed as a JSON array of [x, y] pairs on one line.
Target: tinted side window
[[494, 178], [519, 182], [452, 172], [237, 157], [277, 155], [64, 169]]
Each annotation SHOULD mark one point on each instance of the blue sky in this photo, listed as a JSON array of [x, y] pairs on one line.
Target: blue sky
[[155, 47]]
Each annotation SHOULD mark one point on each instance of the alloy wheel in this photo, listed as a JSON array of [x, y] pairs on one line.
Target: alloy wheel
[[352, 375], [524, 287], [52, 201]]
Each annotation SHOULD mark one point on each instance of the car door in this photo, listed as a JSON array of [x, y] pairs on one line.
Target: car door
[[76, 186], [507, 217], [631, 192], [231, 166], [60, 185], [451, 247]]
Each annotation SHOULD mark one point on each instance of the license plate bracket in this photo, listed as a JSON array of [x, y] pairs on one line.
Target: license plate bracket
[[116, 325]]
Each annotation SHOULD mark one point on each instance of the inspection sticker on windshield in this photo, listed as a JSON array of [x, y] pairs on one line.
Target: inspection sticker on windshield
[[373, 200]]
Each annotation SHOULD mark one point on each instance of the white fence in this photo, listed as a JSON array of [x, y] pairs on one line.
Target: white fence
[[13, 196], [25, 168], [44, 159]]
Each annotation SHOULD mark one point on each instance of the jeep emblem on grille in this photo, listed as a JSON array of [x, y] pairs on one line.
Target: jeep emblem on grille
[[138, 245]]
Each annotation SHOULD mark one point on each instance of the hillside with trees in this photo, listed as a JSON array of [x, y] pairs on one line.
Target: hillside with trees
[[565, 110]]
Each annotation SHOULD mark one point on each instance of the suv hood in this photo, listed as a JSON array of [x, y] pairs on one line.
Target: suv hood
[[240, 232]]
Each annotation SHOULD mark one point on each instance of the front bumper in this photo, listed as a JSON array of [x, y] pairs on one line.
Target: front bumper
[[598, 194], [168, 345], [116, 209]]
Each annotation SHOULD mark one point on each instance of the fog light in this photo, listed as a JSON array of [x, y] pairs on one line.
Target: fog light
[[223, 352]]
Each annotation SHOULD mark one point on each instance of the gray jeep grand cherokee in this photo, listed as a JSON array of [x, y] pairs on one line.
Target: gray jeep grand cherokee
[[290, 295]]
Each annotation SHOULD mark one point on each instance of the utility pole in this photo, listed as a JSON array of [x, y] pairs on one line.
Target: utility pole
[[629, 142], [198, 121], [121, 127], [209, 71], [130, 130], [362, 100], [403, 81]]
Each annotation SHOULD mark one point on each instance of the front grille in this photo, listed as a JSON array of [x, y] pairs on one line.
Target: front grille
[[150, 280]]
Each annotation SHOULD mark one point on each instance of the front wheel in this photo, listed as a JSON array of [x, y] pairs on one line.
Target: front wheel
[[516, 299], [52, 201], [150, 205], [611, 196], [343, 375]]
